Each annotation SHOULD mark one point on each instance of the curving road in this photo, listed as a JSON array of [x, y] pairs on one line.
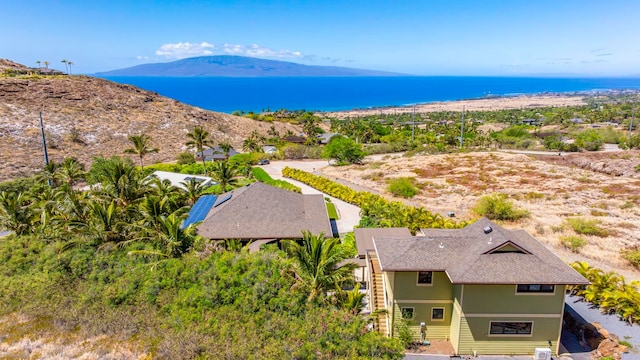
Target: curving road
[[349, 214]]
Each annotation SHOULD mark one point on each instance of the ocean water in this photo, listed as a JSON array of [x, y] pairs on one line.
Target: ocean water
[[257, 94]]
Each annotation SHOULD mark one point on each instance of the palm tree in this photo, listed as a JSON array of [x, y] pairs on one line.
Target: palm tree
[[224, 173], [69, 171], [141, 147], [225, 147], [46, 64], [254, 142], [309, 123], [69, 63], [120, 181], [105, 223], [199, 139], [192, 190], [351, 301], [16, 213], [49, 173], [169, 238], [273, 132], [65, 65], [317, 265], [38, 62]]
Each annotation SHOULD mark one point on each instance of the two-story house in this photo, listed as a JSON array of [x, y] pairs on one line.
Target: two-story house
[[486, 289]]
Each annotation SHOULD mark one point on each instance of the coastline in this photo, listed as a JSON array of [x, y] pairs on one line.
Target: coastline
[[481, 104]]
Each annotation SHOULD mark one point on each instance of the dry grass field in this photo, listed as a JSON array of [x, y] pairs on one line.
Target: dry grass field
[[553, 189], [22, 337]]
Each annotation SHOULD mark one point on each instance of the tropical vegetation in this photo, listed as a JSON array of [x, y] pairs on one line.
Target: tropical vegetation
[[116, 261], [199, 140], [376, 211], [498, 207], [610, 292]]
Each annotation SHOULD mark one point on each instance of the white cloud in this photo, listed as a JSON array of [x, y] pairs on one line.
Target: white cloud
[[255, 50], [184, 50]]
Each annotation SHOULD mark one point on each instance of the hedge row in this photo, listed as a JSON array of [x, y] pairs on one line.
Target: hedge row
[[376, 210]]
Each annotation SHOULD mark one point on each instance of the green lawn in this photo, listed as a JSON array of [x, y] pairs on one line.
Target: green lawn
[[331, 209]]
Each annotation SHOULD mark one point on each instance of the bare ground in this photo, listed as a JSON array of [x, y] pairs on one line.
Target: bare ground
[[85, 117], [552, 188], [500, 103], [23, 337]]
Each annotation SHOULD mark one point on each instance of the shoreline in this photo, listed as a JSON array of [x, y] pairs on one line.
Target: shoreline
[[492, 103]]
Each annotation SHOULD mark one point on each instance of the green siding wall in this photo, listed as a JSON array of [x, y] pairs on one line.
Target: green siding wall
[[474, 337], [422, 313], [406, 288], [502, 299], [454, 334]]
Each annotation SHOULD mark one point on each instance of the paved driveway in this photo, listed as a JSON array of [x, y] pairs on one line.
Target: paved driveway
[[349, 214]]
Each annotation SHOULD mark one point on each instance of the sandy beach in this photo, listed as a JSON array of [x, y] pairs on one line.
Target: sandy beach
[[490, 104]]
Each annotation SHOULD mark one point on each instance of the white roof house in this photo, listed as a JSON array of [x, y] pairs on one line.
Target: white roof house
[[177, 179]]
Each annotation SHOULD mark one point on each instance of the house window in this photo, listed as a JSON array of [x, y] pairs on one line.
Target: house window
[[425, 277], [535, 288], [437, 314], [510, 328], [407, 312]]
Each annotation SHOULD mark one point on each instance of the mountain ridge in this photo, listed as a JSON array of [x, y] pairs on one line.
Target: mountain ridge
[[85, 117], [238, 66]]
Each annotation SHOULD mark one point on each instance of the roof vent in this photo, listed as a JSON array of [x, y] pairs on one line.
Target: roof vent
[[490, 240], [441, 245], [487, 229]]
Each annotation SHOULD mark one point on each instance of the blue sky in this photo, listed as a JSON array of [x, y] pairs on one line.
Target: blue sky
[[422, 37]]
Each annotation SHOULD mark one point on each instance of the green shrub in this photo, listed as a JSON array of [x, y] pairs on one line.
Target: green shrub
[[589, 140], [164, 167], [186, 158], [247, 159], [404, 334], [402, 187], [499, 207], [532, 196], [626, 343], [376, 211], [573, 243], [262, 176], [586, 227], [632, 255]]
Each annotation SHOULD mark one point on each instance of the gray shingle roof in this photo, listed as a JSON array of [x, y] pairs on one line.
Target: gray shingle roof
[[260, 211], [364, 237], [215, 153], [471, 256]]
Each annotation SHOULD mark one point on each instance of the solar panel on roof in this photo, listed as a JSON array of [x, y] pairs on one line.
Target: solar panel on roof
[[199, 210], [223, 199], [189, 178]]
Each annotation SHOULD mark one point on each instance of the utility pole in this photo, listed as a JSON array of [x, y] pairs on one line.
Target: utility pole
[[413, 128], [44, 146], [462, 129], [633, 113]]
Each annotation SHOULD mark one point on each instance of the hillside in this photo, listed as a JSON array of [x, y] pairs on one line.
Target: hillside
[[86, 117], [238, 66]]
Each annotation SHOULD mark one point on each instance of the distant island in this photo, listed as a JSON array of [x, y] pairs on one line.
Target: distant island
[[238, 66]]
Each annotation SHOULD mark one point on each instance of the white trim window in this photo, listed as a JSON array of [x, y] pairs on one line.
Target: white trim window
[[407, 312], [425, 278], [543, 289], [511, 328], [437, 314]]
